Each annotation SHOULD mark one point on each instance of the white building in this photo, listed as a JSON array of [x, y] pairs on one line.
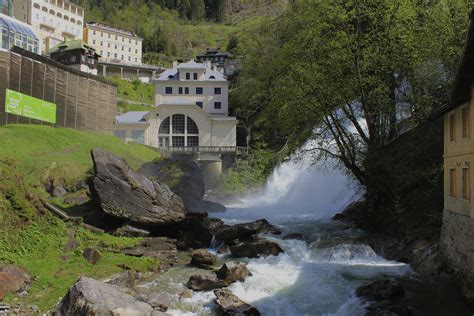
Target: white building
[[192, 107], [114, 44], [52, 20]]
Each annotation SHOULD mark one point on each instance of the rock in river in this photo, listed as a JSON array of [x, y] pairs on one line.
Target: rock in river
[[256, 248], [381, 290], [229, 273], [231, 305], [203, 258], [130, 196], [239, 231], [91, 297], [233, 271]]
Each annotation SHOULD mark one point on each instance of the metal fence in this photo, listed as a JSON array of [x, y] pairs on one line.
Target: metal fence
[[83, 101]]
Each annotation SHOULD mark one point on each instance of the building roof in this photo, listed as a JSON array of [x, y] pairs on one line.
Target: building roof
[[112, 28], [461, 89], [132, 117], [17, 26], [209, 73], [72, 45], [214, 52]]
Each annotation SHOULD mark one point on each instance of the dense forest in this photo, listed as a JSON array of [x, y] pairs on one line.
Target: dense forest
[[353, 76], [180, 28]]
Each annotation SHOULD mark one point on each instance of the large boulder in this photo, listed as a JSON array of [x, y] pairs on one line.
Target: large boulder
[[185, 178], [205, 282], [256, 248], [203, 258], [381, 290], [13, 279], [241, 231], [123, 193], [232, 305], [233, 271], [195, 231], [91, 297]]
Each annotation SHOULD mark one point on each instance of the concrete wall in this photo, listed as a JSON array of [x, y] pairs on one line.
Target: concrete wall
[[457, 244]]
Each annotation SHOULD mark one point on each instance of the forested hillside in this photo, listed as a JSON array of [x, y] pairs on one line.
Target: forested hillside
[[181, 28]]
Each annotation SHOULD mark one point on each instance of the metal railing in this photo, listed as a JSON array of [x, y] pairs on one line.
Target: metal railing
[[208, 150]]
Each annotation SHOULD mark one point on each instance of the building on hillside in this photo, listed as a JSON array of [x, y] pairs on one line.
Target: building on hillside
[[114, 44], [223, 61], [53, 20], [457, 238], [76, 54], [17, 33], [191, 117]]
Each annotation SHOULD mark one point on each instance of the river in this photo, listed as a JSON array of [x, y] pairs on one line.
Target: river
[[319, 274]]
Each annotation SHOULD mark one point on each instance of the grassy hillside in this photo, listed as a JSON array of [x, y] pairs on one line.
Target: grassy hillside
[[32, 237], [135, 90]]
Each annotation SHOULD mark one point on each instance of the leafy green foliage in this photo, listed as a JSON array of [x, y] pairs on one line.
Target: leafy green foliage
[[134, 90], [32, 237]]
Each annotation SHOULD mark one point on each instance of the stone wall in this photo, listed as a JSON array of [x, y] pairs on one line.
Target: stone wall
[[457, 245]]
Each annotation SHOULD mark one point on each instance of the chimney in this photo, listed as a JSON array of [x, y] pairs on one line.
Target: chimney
[[175, 63]]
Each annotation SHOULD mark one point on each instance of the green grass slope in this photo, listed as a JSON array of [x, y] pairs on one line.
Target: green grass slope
[[32, 237]]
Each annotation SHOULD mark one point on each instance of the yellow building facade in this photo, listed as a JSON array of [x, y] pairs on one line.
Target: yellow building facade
[[53, 21], [114, 44]]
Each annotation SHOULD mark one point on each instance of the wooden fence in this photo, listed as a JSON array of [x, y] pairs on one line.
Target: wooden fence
[[83, 101]]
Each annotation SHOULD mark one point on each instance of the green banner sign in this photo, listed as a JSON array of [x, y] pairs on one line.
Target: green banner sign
[[24, 105]]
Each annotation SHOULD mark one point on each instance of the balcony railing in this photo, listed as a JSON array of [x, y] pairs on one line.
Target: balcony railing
[[208, 150]]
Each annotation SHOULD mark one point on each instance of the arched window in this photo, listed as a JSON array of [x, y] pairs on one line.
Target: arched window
[[37, 6], [44, 9], [59, 14], [73, 20], [178, 130], [212, 77], [66, 18], [52, 12]]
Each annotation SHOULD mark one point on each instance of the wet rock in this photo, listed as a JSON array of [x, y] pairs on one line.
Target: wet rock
[[91, 255], [233, 271], [158, 301], [387, 308], [354, 213], [59, 191], [203, 258], [132, 231], [297, 236], [13, 279], [255, 249], [163, 249], [91, 297], [232, 305], [205, 282], [380, 290], [130, 196], [185, 294], [223, 249], [240, 231], [194, 232]]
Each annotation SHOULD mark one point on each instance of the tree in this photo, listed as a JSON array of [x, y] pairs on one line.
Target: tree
[[198, 10], [184, 7]]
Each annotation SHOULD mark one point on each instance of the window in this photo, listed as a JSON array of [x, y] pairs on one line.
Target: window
[[452, 128], [199, 90], [180, 90], [466, 189], [138, 136], [73, 59], [217, 91], [93, 42], [186, 90], [466, 126], [452, 182], [93, 32], [120, 134], [188, 76], [179, 131], [217, 105], [169, 90], [199, 104], [195, 76]]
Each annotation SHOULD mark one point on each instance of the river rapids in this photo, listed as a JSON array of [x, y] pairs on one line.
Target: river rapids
[[319, 274]]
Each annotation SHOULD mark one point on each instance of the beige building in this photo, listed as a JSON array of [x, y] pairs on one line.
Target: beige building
[[114, 44], [52, 20], [457, 237]]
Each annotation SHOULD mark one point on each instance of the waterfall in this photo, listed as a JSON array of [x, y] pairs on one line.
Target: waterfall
[[301, 186]]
